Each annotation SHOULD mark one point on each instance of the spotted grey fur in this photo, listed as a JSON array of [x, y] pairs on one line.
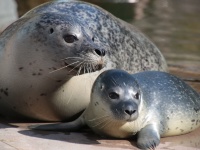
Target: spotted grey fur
[[130, 49], [150, 104], [29, 51]]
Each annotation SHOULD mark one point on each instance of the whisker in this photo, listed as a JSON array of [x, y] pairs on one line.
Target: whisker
[[84, 68], [107, 123], [64, 67], [88, 71], [70, 97], [100, 122], [88, 65], [98, 118], [75, 67], [91, 69], [72, 58], [79, 71]]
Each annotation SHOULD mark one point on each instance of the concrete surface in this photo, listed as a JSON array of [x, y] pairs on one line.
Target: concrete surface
[[15, 136]]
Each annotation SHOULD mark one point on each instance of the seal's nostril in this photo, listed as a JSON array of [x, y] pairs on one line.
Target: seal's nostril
[[130, 111], [103, 52], [100, 52]]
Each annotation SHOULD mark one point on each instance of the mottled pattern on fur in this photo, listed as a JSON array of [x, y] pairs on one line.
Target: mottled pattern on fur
[[129, 48]]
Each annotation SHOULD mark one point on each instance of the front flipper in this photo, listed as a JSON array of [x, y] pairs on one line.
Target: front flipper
[[69, 126], [148, 137]]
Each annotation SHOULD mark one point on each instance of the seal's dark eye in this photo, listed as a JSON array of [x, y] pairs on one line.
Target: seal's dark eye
[[93, 39], [70, 38], [113, 95], [51, 30], [137, 95]]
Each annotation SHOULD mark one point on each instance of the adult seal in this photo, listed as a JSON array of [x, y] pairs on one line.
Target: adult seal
[[150, 104], [43, 51]]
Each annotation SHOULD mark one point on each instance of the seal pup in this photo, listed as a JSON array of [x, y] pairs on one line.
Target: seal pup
[[53, 43], [150, 104]]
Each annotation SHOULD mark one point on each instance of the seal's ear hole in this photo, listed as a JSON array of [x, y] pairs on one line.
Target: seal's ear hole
[[101, 86], [51, 30], [70, 38], [113, 95], [93, 39], [137, 95]]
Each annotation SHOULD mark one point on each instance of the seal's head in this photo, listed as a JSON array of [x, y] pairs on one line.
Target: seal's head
[[69, 44], [119, 91]]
